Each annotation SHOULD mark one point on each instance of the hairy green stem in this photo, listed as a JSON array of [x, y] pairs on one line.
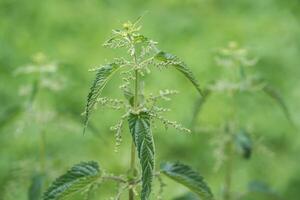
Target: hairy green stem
[[133, 151], [133, 170], [136, 90]]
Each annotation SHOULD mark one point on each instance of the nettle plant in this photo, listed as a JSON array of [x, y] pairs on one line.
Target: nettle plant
[[32, 113], [233, 137], [140, 111]]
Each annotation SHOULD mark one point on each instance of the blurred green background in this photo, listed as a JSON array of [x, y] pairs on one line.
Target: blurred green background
[[71, 32]]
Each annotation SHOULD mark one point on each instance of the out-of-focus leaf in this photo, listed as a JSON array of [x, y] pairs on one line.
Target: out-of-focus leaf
[[198, 105], [139, 125], [36, 187], [103, 75], [34, 92], [244, 143], [10, 115], [292, 187], [274, 94], [187, 196], [78, 179], [186, 176], [260, 190], [171, 59]]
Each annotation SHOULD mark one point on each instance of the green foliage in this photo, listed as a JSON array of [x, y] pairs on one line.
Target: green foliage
[[36, 187], [103, 75], [170, 59], [139, 125], [260, 190], [33, 93], [194, 28], [237, 80], [274, 94], [78, 179], [10, 115], [186, 176], [260, 187], [244, 143], [292, 188], [198, 106], [187, 196], [140, 108]]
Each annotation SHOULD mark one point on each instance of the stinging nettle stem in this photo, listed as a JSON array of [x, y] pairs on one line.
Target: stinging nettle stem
[[136, 90], [132, 170], [135, 107]]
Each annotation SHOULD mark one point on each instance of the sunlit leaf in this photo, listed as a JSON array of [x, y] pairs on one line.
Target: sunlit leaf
[[103, 75], [139, 125], [171, 59], [78, 179], [186, 176]]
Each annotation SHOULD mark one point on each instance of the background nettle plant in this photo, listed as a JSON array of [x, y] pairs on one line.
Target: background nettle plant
[[42, 76], [141, 110], [234, 137]]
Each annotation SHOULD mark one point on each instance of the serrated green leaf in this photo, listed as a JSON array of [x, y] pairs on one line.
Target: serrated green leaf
[[274, 94], [78, 179], [103, 75], [187, 196], [139, 125], [36, 186], [244, 143], [180, 66], [186, 176]]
